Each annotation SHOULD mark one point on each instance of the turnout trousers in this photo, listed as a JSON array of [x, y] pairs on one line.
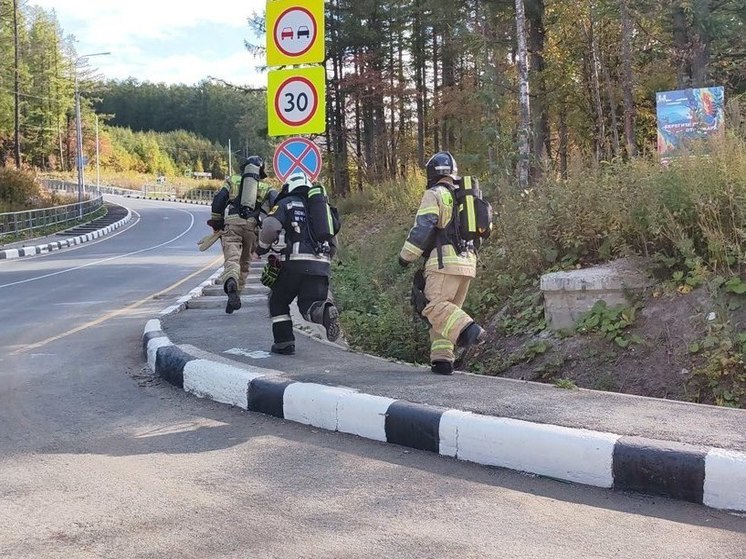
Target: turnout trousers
[[239, 242], [446, 294], [312, 292]]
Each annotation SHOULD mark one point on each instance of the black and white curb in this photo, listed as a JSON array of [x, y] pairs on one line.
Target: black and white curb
[[710, 476], [161, 199], [57, 245]]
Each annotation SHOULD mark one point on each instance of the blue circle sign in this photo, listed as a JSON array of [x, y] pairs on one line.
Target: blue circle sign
[[297, 155]]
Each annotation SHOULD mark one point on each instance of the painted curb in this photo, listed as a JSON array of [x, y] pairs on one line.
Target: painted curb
[[709, 476], [180, 200], [10, 254]]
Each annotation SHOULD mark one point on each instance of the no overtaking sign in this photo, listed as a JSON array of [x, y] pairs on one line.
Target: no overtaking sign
[[295, 33]]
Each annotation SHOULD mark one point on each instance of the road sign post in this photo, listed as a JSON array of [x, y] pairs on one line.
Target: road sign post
[[296, 155]]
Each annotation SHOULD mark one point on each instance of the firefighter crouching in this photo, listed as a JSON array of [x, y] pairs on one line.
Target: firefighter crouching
[[443, 237], [244, 196], [301, 270]]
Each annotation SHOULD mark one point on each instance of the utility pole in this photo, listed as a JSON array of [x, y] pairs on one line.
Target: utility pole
[[230, 159], [17, 100], [98, 165]]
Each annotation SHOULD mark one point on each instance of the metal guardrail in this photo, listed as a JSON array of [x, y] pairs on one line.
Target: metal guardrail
[[147, 191], [20, 222]]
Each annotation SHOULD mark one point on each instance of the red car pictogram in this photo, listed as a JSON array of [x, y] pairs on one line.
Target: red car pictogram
[[287, 33]]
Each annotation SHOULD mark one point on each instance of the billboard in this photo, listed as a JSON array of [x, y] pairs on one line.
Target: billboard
[[687, 115]]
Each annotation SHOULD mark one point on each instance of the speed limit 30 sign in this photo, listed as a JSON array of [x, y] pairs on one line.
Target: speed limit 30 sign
[[297, 101]]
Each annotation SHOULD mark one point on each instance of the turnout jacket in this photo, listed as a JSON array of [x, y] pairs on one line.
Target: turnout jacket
[[433, 220], [289, 216], [227, 197]]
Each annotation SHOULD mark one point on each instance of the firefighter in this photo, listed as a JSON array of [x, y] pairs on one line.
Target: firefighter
[[243, 196], [304, 265], [449, 266]]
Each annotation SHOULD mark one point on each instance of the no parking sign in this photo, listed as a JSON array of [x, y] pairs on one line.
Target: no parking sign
[[297, 155]]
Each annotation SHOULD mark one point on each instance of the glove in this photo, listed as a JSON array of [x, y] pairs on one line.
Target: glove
[[261, 251], [216, 224], [403, 263]]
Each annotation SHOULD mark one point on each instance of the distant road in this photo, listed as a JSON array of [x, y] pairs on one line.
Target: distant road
[[97, 459]]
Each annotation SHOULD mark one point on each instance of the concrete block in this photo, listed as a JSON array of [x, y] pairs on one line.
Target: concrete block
[[569, 295]]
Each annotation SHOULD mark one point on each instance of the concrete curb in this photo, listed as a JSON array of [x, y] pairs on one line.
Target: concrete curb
[[709, 476], [9, 254], [180, 200]]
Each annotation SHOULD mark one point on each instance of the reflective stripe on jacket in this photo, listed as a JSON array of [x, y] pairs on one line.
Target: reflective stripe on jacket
[[433, 216]]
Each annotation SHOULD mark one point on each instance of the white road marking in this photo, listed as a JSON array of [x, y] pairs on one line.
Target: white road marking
[[191, 226], [80, 303], [246, 353]]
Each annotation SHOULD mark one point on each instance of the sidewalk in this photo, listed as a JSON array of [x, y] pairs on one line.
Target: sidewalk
[[685, 451]]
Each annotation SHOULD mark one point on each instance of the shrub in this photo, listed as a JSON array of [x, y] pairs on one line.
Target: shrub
[[18, 190]]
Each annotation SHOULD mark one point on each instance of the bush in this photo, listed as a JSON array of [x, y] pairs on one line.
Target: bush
[[18, 190]]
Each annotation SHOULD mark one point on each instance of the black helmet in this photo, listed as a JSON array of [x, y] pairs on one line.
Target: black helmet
[[442, 164], [256, 161]]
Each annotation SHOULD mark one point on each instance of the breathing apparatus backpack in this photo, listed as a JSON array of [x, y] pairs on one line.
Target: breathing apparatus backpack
[[474, 214], [323, 219], [471, 220], [248, 192]]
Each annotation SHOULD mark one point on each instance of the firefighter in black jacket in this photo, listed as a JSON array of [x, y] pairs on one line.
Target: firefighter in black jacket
[[304, 269]]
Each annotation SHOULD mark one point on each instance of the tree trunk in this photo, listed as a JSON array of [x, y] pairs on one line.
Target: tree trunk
[[602, 145], [524, 115], [681, 47], [536, 39], [419, 77], [627, 79], [701, 41]]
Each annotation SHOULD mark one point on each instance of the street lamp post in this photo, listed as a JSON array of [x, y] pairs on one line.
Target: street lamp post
[[98, 166], [79, 131]]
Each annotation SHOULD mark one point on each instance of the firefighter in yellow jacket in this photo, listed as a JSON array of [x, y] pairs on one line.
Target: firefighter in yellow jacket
[[449, 266], [244, 196]]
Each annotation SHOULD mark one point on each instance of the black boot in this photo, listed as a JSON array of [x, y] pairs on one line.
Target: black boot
[[284, 348], [442, 367], [331, 322], [234, 299], [471, 335]]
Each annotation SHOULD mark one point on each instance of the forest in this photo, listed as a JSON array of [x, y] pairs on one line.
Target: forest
[[516, 88]]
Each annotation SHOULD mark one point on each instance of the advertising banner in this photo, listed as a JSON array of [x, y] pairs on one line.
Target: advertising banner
[[688, 115]]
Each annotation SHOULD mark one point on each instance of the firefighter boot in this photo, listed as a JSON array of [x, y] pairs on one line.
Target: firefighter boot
[[327, 315], [234, 299], [471, 335], [442, 367], [283, 348]]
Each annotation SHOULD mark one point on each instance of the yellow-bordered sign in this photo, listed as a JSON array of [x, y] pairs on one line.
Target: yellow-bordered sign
[[296, 101], [295, 33]]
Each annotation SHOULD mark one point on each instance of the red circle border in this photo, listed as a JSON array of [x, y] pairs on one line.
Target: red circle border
[[315, 101]]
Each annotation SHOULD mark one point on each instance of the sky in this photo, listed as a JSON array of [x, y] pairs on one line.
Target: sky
[[164, 40]]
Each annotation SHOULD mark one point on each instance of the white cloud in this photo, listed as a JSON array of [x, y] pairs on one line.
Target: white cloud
[[238, 68], [129, 28]]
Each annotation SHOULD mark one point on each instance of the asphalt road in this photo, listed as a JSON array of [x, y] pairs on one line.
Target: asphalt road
[[97, 459]]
